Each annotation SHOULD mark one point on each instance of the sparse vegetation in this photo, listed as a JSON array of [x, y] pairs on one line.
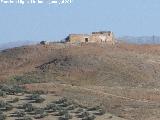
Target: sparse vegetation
[[88, 73], [51, 107], [10, 90], [93, 108], [15, 100], [8, 107], [4, 106], [61, 101], [28, 107], [40, 113], [91, 117], [66, 116], [83, 114], [61, 112], [2, 116], [26, 118], [63, 108], [36, 98], [101, 111], [19, 114], [2, 94]]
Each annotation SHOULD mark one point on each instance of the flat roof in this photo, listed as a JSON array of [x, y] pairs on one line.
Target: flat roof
[[101, 32], [79, 34], [93, 33]]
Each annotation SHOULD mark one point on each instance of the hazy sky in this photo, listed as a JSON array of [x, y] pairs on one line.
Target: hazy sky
[[53, 22]]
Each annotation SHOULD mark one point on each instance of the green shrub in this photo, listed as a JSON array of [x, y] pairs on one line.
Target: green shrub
[[28, 107], [83, 114], [1, 112], [27, 78], [40, 113], [36, 98], [93, 108], [72, 107], [52, 107], [2, 104], [79, 110], [15, 100], [101, 111], [11, 90], [26, 118], [8, 107], [61, 113], [7, 89], [18, 89], [91, 117], [3, 117], [68, 116], [39, 100], [19, 114], [65, 104], [33, 96], [39, 116], [3, 94], [60, 101]]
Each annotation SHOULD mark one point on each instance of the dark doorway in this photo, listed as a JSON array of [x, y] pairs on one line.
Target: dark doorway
[[86, 39]]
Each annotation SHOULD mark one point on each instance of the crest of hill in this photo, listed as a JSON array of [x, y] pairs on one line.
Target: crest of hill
[[100, 64]]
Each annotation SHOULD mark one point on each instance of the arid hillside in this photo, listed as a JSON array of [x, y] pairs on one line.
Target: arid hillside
[[124, 77], [125, 65]]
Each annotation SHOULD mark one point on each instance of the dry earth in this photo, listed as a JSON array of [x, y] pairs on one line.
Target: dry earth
[[125, 78], [49, 98]]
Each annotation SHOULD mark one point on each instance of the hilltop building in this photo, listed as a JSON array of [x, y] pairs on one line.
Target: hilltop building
[[100, 37]]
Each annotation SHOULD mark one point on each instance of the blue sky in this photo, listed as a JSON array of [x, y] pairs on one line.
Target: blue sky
[[54, 22]]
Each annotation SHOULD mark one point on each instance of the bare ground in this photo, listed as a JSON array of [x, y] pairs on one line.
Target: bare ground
[[125, 77]]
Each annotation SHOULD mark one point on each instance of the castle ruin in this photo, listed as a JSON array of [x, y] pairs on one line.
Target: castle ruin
[[99, 37]]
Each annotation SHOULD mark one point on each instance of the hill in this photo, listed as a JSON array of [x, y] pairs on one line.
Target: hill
[[121, 64], [8, 45], [124, 77], [141, 39]]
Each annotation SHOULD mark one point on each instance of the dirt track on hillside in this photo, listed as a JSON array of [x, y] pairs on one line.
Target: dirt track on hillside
[[128, 106]]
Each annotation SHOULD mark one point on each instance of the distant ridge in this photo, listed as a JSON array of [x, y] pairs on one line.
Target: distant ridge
[[16, 44], [128, 39], [141, 39]]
